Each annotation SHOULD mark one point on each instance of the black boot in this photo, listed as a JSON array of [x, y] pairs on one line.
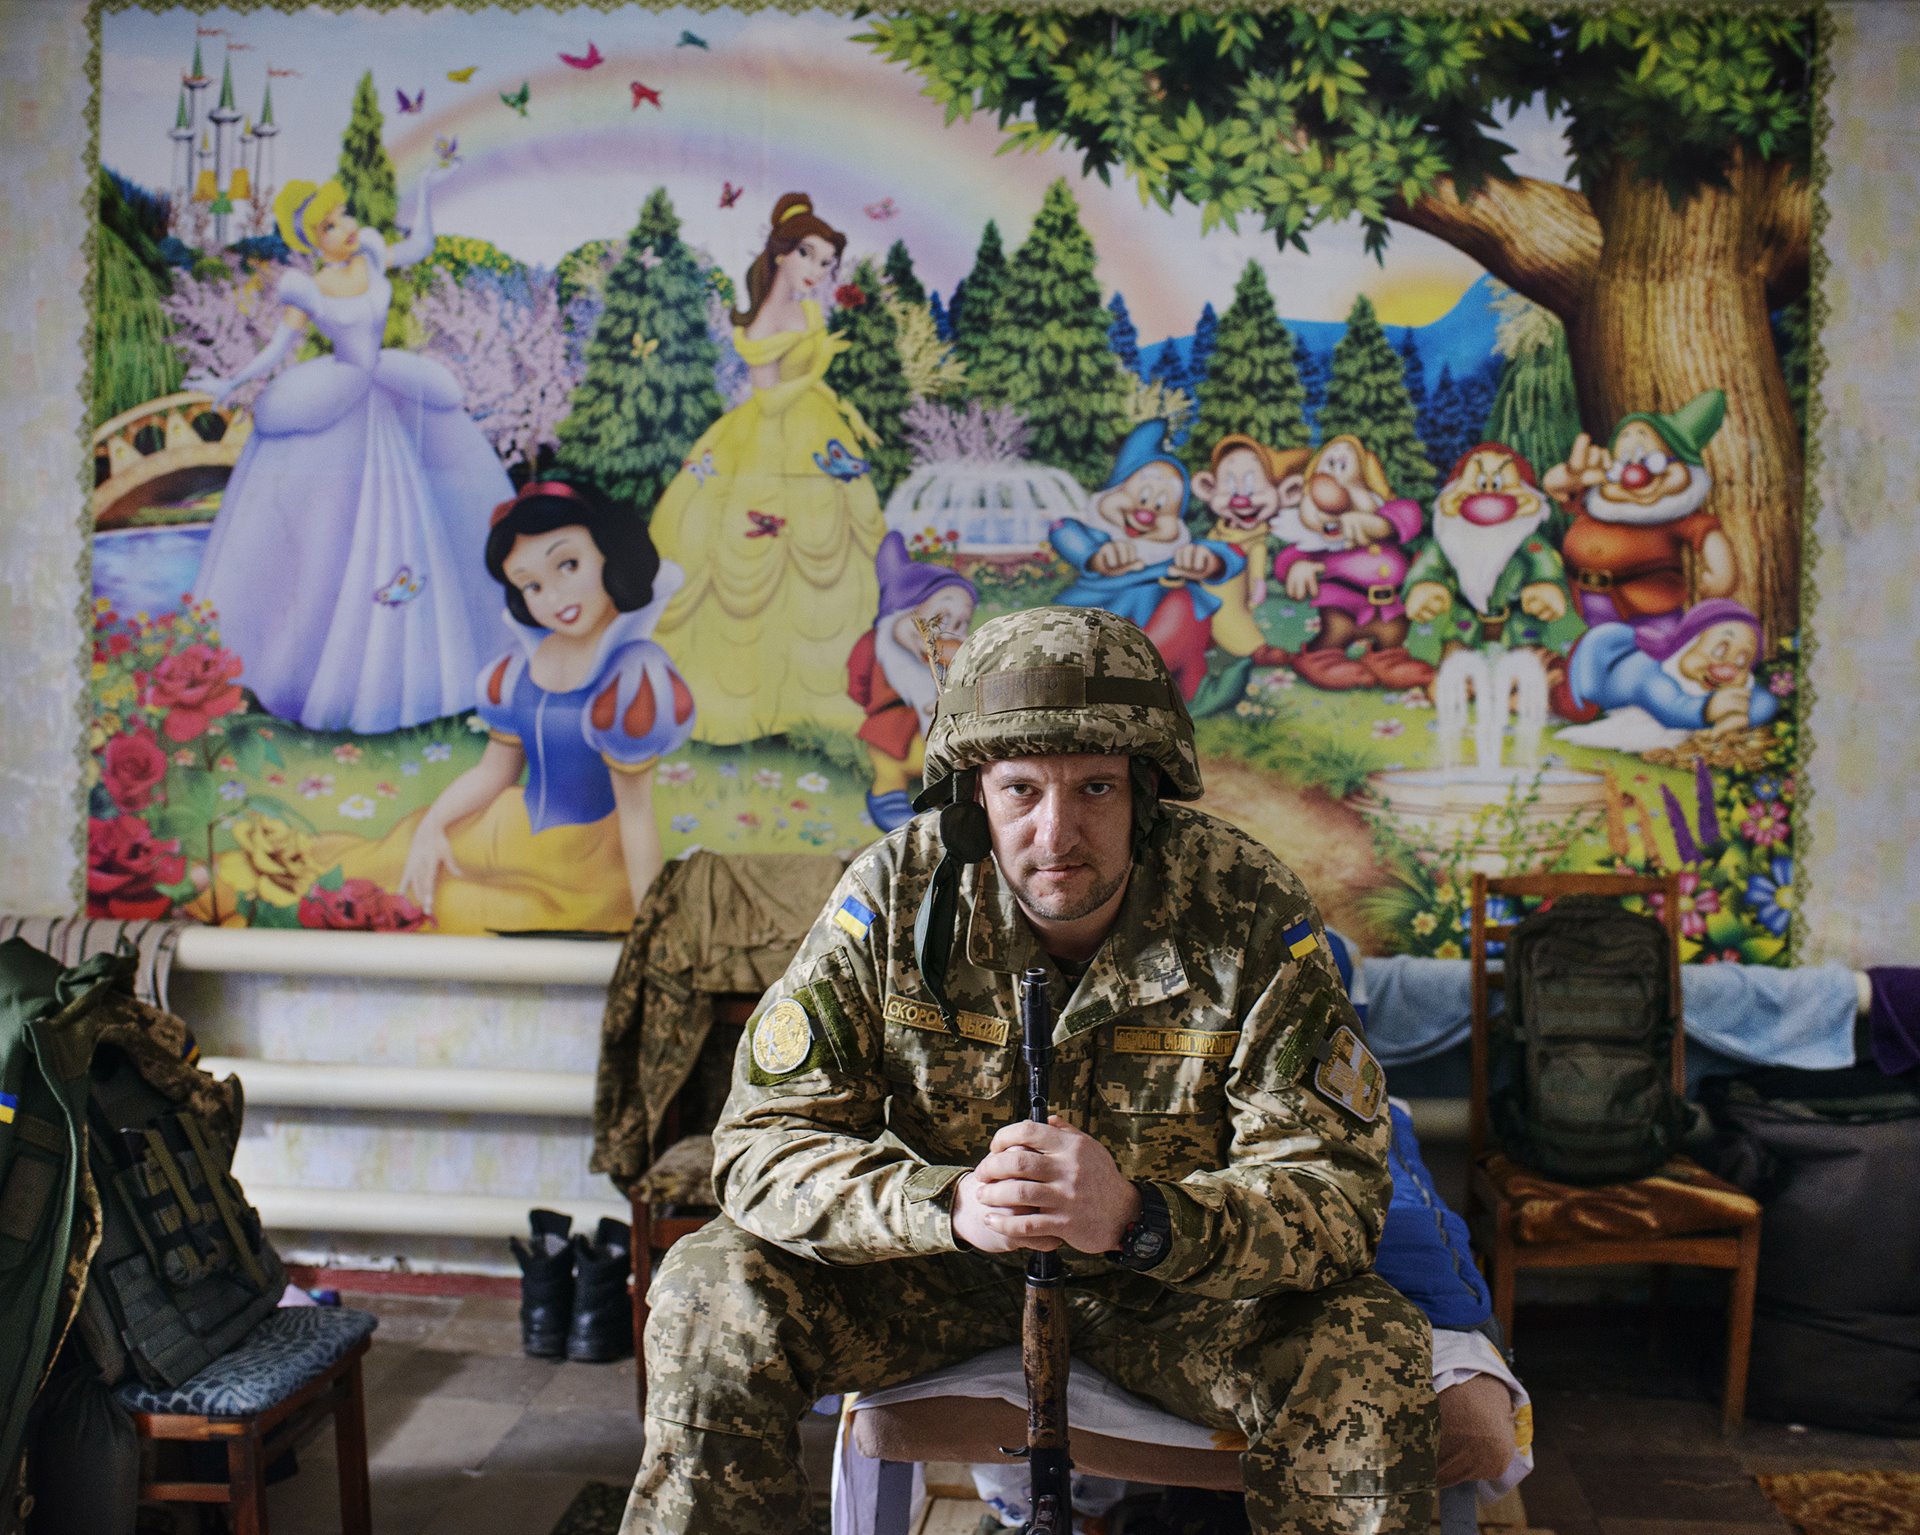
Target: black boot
[[546, 1284], [602, 1328]]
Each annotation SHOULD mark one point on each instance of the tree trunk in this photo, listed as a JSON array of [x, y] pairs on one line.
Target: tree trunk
[[1677, 303], [1659, 304]]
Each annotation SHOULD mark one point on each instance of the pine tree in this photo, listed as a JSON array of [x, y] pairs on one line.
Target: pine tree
[[366, 169], [1437, 419], [942, 318], [1047, 355], [1415, 370], [1367, 397], [1535, 411], [1312, 368], [649, 389], [1206, 336], [907, 286], [1251, 385], [977, 297], [1122, 336], [868, 376]]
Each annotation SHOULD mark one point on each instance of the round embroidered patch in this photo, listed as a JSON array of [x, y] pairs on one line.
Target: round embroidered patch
[[782, 1037]]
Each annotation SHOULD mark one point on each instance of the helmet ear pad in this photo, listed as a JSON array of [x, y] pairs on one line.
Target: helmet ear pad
[[1150, 821], [964, 832]]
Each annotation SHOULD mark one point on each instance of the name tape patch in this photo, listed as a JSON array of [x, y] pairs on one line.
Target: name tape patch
[[915, 1014], [853, 916], [1144, 1039]]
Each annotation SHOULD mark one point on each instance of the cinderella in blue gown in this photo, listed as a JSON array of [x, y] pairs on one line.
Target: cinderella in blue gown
[[346, 565]]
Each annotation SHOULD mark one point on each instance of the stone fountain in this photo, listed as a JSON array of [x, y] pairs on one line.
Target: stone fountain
[[1464, 805]]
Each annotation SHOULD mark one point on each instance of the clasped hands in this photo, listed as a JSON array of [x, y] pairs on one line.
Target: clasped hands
[[1043, 1187]]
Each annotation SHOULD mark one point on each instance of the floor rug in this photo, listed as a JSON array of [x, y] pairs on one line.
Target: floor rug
[[1847, 1502], [597, 1511]]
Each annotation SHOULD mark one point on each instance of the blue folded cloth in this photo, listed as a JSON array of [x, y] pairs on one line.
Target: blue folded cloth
[[1755, 1015]]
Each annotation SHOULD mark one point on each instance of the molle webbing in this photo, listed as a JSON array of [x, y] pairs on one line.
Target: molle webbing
[[1052, 687]]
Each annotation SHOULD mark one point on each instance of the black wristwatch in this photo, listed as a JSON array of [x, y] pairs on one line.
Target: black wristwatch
[[1149, 1235]]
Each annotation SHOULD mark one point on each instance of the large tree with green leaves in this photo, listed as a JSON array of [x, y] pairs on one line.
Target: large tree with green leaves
[[1688, 221], [366, 169], [1534, 410], [1252, 387], [133, 361], [869, 377], [1047, 355], [648, 392], [1367, 397]]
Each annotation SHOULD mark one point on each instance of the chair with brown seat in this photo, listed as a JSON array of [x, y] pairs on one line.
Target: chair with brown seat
[[1682, 1214]]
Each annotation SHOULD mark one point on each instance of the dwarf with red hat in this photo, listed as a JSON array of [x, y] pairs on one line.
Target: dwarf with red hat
[[1488, 574], [888, 674]]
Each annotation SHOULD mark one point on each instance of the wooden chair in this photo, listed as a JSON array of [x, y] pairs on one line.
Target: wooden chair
[[261, 1399], [674, 1197], [1721, 1228]]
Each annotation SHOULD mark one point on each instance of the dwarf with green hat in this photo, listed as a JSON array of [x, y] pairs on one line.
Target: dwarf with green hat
[[1638, 505]]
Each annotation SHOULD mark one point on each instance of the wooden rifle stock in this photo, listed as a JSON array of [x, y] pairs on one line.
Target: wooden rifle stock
[[1043, 1321]]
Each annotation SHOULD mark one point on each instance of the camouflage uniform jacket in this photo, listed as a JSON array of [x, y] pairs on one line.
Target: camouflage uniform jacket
[[1188, 1049]]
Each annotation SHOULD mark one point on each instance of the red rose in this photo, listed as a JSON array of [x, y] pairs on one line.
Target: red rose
[[359, 906], [131, 768], [195, 686], [124, 863], [849, 295]]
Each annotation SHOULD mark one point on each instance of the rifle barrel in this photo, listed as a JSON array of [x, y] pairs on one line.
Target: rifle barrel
[[1043, 1322]]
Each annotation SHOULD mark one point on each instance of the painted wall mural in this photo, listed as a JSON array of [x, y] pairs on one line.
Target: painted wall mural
[[531, 445]]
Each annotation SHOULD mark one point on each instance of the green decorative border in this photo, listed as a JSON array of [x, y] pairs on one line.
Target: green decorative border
[[1818, 171]]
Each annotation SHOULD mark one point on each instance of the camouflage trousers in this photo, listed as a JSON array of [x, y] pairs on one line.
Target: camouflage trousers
[[1332, 1388]]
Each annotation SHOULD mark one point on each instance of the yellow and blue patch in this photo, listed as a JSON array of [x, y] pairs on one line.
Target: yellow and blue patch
[[1299, 939], [853, 916], [9, 1106]]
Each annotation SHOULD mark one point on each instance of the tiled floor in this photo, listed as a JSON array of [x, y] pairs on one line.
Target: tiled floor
[[467, 1437]]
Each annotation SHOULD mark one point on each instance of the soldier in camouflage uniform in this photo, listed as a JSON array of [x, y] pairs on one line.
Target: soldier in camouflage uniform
[[1218, 1170]]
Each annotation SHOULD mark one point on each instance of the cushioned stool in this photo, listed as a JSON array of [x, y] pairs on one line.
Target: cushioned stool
[[261, 1399]]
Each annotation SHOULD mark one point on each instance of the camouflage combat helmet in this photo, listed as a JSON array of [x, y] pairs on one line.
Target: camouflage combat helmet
[[1049, 681]]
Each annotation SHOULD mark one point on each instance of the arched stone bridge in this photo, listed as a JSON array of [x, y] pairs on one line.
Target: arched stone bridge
[[168, 449]]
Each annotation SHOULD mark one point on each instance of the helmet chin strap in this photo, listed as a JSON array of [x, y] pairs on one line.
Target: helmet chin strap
[[964, 839]]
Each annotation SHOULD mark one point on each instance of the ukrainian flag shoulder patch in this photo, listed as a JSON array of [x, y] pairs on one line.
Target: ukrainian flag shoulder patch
[[1299, 939], [9, 1106], [853, 916]]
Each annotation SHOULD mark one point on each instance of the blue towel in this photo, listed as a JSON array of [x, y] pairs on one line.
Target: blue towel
[[1755, 1015], [1424, 1252]]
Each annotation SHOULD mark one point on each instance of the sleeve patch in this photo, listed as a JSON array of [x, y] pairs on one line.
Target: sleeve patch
[[853, 916], [1299, 939], [1348, 1075], [783, 1041]]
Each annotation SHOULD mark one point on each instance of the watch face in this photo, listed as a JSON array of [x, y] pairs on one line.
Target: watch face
[[1148, 1244]]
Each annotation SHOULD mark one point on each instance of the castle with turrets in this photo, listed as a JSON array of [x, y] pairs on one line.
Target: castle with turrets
[[214, 166]]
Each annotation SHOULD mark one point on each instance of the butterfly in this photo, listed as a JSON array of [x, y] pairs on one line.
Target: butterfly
[[838, 462], [462, 76], [648, 257], [403, 588], [419, 101], [692, 40], [518, 100], [729, 194], [591, 59], [643, 93], [645, 346], [701, 470], [884, 209], [765, 524], [446, 151]]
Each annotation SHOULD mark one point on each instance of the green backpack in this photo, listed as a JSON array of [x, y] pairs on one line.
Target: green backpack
[[1580, 1065]]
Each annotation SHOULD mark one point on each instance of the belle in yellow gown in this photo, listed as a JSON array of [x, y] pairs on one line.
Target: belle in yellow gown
[[773, 517]]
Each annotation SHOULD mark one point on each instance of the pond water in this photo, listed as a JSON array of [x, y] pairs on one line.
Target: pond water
[[146, 570]]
